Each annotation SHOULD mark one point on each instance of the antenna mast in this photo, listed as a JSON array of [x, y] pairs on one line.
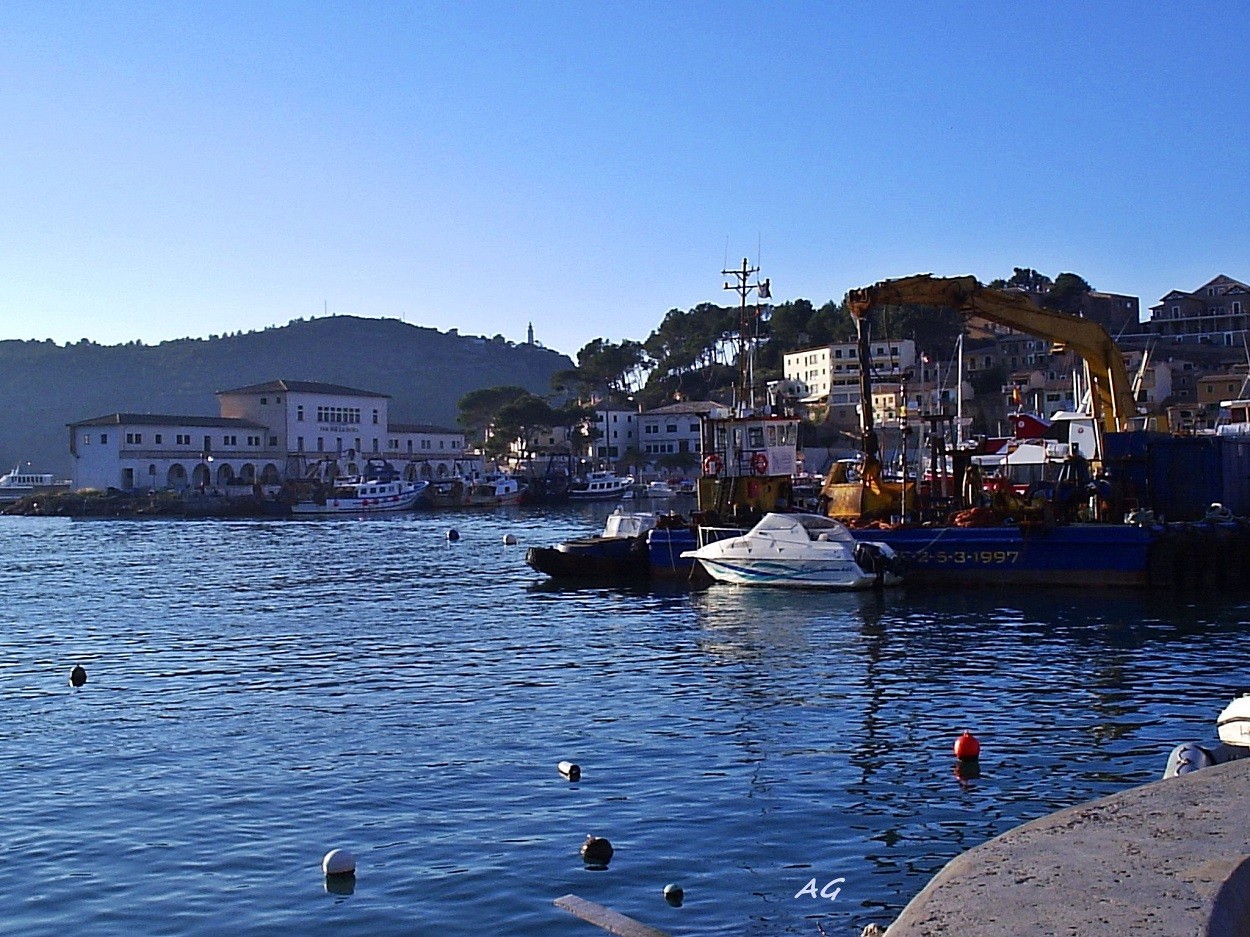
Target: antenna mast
[[744, 393]]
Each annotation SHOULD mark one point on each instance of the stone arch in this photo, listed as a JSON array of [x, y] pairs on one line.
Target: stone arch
[[247, 473], [176, 477], [225, 474], [269, 475]]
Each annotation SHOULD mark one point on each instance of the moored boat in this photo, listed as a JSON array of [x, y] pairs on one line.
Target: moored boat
[[17, 484], [620, 552], [495, 490], [600, 486], [361, 496], [798, 551]]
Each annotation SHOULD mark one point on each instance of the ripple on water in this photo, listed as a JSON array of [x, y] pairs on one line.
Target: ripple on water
[[261, 692]]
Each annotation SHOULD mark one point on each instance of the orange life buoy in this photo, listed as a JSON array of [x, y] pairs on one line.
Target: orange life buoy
[[759, 463], [712, 465]]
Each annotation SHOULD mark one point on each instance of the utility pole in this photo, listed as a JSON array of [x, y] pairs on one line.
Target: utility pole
[[744, 393]]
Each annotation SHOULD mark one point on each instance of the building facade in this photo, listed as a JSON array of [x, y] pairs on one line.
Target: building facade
[[267, 433], [1215, 313]]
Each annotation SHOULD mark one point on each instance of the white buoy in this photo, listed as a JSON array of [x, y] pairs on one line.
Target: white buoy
[[453, 535], [569, 770], [674, 895], [339, 862], [77, 676], [509, 540]]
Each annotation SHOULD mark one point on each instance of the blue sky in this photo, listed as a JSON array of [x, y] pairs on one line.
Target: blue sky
[[187, 169]]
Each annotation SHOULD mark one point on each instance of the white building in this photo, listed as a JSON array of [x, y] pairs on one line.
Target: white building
[[618, 431], [830, 373], [675, 428], [266, 432]]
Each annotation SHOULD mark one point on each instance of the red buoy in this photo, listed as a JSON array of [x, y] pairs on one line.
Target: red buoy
[[967, 747]]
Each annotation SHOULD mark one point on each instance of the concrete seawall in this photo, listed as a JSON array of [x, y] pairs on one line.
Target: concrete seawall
[[1166, 859]]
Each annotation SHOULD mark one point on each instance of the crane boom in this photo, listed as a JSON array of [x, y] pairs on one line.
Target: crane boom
[[1112, 397]]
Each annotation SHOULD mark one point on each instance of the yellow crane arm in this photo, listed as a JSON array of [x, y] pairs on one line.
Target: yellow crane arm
[[1112, 394]]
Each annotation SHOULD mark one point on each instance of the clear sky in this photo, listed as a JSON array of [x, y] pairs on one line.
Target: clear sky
[[185, 169]]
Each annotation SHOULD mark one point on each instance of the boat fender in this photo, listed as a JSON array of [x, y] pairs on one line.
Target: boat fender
[[759, 463], [1188, 757]]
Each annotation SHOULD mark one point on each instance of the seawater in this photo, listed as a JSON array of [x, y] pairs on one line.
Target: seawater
[[262, 692]]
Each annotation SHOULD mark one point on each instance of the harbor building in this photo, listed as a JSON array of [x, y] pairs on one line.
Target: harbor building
[[266, 434]]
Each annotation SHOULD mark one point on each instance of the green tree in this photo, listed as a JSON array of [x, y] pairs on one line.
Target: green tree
[[478, 407], [1067, 293]]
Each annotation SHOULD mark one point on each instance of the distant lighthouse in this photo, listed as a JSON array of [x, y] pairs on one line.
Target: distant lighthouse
[[529, 334]]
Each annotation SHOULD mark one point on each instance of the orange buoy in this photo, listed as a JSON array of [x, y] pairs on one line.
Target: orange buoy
[[967, 747]]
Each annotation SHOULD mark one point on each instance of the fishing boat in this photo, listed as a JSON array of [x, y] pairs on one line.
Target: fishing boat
[[495, 490], [600, 486], [798, 551], [357, 496], [620, 552]]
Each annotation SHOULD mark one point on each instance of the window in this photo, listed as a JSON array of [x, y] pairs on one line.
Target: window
[[86, 439], [299, 443], [263, 401], [158, 439], [299, 413], [338, 415], [670, 428], [208, 443], [134, 439], [375, 420], [182, 439], [273, 441], [104, 438]]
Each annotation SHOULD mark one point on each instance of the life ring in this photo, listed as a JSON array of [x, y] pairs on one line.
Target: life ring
[[712, 465], [759, 463]]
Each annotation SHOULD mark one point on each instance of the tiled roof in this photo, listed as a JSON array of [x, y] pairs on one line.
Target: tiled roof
[[159, 419], [301, 387]]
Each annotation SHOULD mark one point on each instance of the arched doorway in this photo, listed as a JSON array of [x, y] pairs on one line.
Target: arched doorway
[[176, 477]]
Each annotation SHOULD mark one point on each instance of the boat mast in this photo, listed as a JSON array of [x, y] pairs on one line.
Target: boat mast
[[744, 393]]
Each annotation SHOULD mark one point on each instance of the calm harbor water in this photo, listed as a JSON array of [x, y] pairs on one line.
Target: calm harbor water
[[261, 692]]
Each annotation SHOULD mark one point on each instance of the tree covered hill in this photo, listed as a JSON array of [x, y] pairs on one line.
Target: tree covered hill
[[44, 386]]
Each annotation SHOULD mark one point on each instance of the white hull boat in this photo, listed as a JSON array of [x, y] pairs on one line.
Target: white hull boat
[[799, 551], [600, 486], [364, 497]]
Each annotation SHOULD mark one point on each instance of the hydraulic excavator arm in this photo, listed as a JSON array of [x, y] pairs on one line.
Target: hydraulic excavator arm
[[1112, 396]]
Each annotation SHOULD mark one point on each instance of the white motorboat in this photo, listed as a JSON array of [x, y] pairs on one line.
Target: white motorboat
[[799, 550], [359, 496], [658, 490]]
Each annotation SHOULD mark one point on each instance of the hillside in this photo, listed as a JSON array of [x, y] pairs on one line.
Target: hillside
[[44, 386]]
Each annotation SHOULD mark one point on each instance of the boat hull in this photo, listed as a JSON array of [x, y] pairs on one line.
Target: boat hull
[[791, 574], [593, 558], [1075, 554], [355, 506]]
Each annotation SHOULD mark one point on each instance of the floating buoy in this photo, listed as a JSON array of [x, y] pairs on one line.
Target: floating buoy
[[673, 894], [509, 540], [453, 535], [596, 851], [967, 747], [77, 676], [569, 770], [339, 862]]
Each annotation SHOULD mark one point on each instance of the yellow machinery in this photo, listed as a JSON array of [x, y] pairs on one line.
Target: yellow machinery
[[1111, 393]]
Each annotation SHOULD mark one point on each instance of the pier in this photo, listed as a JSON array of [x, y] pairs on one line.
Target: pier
[[1167, 858]]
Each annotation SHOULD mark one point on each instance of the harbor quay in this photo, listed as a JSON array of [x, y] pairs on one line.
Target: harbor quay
[[1164, 859]]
